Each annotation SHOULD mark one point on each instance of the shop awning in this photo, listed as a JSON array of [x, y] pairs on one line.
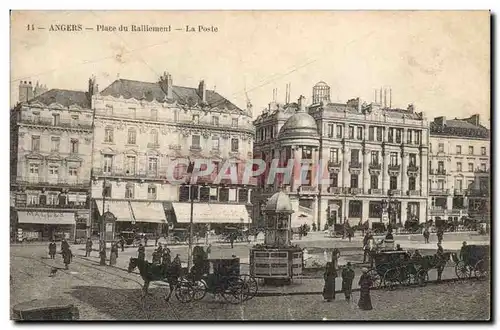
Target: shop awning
[[46, 218], [211, 213], [120, 209], [148, 212]]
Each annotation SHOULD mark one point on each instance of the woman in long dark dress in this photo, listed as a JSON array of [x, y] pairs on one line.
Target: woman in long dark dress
[[329, 277], [365, 282]]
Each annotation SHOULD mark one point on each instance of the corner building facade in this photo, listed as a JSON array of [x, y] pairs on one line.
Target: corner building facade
[[459, 169], [141, 129], [374, 158], [51, 147]]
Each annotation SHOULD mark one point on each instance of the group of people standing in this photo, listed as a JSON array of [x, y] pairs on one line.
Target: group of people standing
[[66, 252], [365, 283]]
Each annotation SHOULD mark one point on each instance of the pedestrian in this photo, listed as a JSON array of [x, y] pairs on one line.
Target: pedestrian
[[160, 249], [141, 252], [102, 253], [231, 239], [67, 255], [166, 258], [365, 283], [366, 247], [157, 237], [347, 278], [88, 247], [335, 257], [463, 253], [113, 256], [122, 243], [349, 234], [440, 260], [145, 240], [177, 266], [426, 235], [398, 247], [52, 249], [440, 234], [64, 244], [329, 277], [209, 251]]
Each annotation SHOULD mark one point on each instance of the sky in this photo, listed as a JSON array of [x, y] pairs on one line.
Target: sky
[[439, 61]]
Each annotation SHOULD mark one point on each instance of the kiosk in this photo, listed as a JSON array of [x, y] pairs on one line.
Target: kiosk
[[276, 260]]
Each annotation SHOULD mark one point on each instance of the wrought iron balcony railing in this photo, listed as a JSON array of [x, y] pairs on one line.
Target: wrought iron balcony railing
[[375, 166], [39, 180], [394, 192], [354, 164], [393, 167], [438, 191]]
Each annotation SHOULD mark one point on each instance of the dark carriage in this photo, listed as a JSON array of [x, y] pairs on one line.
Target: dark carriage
[[393, 268], [474, 260], [225, 280], [378, 228]]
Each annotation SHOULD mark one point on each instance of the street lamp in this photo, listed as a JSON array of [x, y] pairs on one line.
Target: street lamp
[[191, 201]]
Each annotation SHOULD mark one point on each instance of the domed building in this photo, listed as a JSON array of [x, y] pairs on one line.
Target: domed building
[[368, 160]]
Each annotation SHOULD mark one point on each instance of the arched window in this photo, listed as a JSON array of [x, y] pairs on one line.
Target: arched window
[[129, 190], [108, 134], [132, 135], [154, 137]]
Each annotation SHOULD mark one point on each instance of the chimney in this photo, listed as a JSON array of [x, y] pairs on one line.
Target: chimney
[[385, 98], [380, 99], [474, 120], [441, 121], [202, 91], [359, 105], [25, 91], [166, 85], [302, 104], [390, 98], [376, 95]]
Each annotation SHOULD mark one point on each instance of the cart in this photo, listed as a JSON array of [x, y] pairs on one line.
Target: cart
[[225, 280], [474, 260], [390, 269]]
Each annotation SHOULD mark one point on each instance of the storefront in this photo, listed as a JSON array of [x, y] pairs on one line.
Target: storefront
[[46, 225], [139, 216], [209, 213]]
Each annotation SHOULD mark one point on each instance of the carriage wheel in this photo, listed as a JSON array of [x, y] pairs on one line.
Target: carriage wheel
[[184, 292], [462, 270], [251, 286], [480, 270], [392, 278], [235, 291], [376, 278], [200, 290], [422, 277]]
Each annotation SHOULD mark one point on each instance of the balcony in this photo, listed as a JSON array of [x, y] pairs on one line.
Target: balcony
[[394, 192], [307, 189], [395, 168], [460, 192], [355, 164], [174, 147], [413, 192], [70, 205], [375, 191], [375, 166], [335, 190], [355, 191], [437, 211], [60, 124], [195, 148], [412, 168], [438, 192], [153, 145], [41, 181], [438, 171], [334, 166], [481, 170]]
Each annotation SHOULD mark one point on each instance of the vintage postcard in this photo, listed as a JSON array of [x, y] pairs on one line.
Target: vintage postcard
[[250, 165]]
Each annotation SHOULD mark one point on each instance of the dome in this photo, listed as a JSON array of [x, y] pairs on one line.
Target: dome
[[279, 202], [300, 124], [321, 84]]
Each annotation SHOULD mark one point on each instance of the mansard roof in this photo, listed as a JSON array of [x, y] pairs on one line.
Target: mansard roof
[[459, 128], [63, 97], [148, 91]]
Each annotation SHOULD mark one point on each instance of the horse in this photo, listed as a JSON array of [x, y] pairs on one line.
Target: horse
[[152, 273], [437, 262]]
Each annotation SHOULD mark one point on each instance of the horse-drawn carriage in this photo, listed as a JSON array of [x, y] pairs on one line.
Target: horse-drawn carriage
[[394, 268], [474, 260], [225, 280]]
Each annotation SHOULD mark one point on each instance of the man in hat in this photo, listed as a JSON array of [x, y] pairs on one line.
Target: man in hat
[[347, 278]]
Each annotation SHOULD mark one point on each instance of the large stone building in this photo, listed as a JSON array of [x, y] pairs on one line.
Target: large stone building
[[375, 158], [459, 168], [142, 128], [51, 135]]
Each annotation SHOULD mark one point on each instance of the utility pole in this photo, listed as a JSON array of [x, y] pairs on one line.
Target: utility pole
[[191, 200], [103, 229]]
